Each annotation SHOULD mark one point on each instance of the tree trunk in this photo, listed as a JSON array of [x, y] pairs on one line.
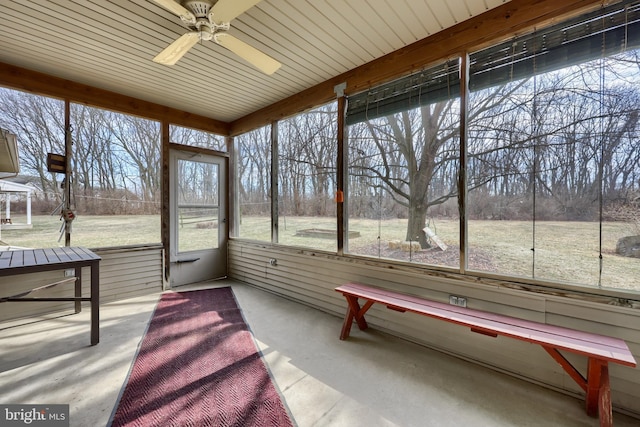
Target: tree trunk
[[417, 221]]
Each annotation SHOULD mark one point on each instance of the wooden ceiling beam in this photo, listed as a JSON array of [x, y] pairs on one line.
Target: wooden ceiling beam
[[44, 84], [492, 26]]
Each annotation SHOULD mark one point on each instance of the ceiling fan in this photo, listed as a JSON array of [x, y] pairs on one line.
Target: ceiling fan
[[209, 20]]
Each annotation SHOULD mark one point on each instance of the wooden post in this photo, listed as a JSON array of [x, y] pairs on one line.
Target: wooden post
[[341, 172], [462, 173], [67, 175], [233, 205], [165, 200], [274, 182]]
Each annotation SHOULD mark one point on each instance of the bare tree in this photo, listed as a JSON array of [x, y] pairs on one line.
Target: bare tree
[[254, 170], [141, 168], [39, 123], [307, 153]]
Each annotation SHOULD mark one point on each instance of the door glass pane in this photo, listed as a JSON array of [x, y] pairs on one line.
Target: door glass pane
[[198, 205]]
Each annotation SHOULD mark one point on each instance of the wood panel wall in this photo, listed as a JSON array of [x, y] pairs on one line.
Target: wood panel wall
[[310, 277]]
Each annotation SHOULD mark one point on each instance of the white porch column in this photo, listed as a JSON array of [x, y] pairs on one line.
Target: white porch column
[[7, 205]]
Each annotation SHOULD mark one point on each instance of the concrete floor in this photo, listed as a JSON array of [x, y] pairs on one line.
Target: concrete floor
[[370, 380]]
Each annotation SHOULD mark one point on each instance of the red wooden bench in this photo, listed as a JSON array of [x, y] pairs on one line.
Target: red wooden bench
[[599, 349]]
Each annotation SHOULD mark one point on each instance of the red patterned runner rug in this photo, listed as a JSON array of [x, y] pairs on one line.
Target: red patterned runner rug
[[198, 365]]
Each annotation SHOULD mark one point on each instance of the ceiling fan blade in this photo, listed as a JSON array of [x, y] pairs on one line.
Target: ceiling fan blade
[[177, 9], [176, 50], [260, 60], [226, 10]]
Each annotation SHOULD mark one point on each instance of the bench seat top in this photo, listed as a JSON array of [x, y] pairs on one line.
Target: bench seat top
[[585, 343]]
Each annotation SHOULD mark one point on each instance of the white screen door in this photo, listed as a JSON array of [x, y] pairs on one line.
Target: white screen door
[[198, 218]]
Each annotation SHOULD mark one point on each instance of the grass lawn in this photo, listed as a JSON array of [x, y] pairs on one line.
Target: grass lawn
[[87, 231], [564, 251]]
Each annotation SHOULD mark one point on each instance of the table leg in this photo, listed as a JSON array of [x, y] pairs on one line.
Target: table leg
[[95, 303], [78, 293]]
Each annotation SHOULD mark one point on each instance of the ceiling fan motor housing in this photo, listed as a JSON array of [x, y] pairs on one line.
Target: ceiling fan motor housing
[[200, 8], [205, 28], [204, 24]]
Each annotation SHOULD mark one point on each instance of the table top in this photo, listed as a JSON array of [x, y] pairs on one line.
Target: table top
[[12, 262]]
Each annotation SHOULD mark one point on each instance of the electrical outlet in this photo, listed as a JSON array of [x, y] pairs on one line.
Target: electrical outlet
[[456, 300]]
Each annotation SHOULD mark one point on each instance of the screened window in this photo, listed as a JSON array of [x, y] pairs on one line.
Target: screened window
[[404, 146], [254, 184], [553, 163], [38, 123], [115, 186], [307, 148], [116, 178]]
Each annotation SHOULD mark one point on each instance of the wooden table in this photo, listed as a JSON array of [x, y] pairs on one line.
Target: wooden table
[[38, 260]]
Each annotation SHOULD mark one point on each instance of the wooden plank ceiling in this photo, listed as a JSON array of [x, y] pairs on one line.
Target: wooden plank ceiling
[[109, 44]]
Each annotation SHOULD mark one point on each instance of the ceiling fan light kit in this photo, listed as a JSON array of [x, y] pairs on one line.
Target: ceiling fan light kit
[[209, 20]]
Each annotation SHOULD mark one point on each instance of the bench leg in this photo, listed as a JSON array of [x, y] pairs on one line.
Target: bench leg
[[599, 392], [594, 377], [346, 326], [604, 400], [354, 311], [596, 386], [567, 366]]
